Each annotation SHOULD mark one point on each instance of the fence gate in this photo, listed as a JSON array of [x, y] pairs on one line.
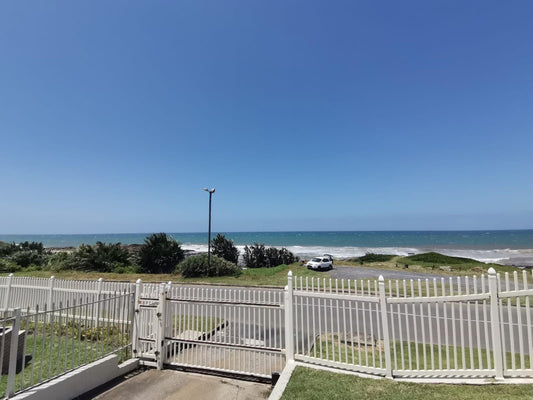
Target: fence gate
[[223, 330]]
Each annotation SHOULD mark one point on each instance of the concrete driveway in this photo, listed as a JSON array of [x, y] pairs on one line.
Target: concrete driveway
[[173, 385]]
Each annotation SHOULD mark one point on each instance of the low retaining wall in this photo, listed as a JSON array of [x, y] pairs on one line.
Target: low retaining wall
[[81, 380]]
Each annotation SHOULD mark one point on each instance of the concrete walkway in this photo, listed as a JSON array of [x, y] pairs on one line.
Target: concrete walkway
[[173, 385]]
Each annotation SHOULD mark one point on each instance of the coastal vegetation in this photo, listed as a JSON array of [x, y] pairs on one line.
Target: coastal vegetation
[[224, 248], [198, 265], [259, 256], [160, 254]]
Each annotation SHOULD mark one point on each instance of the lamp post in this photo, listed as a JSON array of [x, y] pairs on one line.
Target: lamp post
[[210, 191]]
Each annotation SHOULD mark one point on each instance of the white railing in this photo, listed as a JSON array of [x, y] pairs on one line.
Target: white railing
[[40, 345], [229, 330], [438, 328], [28, 292], [469, 327]]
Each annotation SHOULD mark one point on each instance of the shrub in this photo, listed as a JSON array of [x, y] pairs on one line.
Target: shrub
[[159, 254], [258, 256], [7, 249], [25, 258], [60, 261], [372, 257], [224, 248], [101, 257], [195, 266], [8, 266]]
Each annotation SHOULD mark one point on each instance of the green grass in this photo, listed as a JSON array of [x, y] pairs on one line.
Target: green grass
[[405, 354], [310, 384], [60, 348], [276, 276]]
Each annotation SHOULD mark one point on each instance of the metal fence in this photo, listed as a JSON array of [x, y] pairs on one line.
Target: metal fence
[[226, 330], [28, 292], [42, 344], [438, 328], [469, 327]]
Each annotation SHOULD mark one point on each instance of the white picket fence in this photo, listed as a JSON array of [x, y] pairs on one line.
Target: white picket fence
[[432, 328], [28, 292], [469, 327]]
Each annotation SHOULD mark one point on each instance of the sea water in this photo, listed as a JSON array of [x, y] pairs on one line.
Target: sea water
[[503, 246]]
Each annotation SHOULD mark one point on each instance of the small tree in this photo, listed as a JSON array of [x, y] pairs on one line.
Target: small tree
[[225, 248], [160, 254]]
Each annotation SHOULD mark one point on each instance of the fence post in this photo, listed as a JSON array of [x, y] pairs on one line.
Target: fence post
[[385, 326], [51, 283], [13, 350], [98, 298], [160, 351], [136, 317], [289, 326], [495, 323], [8, 291]]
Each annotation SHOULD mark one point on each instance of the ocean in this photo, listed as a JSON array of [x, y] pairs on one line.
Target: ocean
[[513, 247]]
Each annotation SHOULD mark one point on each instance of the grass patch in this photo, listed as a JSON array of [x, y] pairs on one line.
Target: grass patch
[[58, 348], [276, 276], [310, 384], [437, 258], [404, 355]]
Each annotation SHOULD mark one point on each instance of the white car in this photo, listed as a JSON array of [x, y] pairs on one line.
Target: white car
[[320, 263]]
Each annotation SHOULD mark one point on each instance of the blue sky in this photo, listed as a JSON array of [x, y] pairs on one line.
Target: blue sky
[[304, 115]]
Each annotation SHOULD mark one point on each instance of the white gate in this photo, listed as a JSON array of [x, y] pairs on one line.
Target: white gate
[[225, 330]]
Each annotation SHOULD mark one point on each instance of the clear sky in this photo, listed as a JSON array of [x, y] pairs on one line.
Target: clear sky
[[305, 115]]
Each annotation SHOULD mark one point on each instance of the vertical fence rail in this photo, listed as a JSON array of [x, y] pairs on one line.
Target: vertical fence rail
[[495, 325]]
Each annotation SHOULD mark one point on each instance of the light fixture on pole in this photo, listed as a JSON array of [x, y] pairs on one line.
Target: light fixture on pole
[[210, 191]]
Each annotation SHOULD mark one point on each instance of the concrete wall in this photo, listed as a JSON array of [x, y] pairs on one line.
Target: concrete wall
[[80, 381]]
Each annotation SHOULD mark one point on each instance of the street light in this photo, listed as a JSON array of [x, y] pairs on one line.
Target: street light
[[210, 191]]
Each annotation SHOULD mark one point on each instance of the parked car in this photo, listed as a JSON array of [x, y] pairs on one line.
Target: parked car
[[320, 264], [329, 256]]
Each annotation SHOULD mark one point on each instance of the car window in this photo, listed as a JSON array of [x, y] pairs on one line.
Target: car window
[[325, 259], [316, 259]]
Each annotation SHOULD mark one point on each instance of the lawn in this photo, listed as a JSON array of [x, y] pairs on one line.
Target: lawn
[[276, 276], [404, 355], [59, 348], [310, 384]]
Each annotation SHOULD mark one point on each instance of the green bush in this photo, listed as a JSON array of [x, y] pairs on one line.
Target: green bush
[[7, 249], [437, 258], [25, 258], [8, 266], [259, 256], [195, 266], [101, 257], [224, 248], [372, 257], [60, 261], [159, 254]]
